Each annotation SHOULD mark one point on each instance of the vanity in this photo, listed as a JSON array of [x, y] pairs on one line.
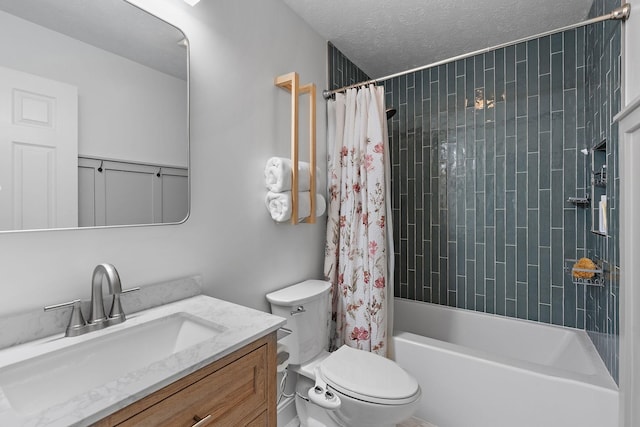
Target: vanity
[[197, 361], [237, 390]]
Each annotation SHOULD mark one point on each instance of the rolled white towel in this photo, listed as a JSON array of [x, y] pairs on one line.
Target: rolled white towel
[[279, 205], [278, 175]]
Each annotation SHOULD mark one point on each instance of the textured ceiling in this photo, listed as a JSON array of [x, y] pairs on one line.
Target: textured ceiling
[[112, 25], [388, 36]]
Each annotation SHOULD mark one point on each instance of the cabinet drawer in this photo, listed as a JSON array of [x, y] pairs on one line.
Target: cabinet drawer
[[259, 421], [230, 395]]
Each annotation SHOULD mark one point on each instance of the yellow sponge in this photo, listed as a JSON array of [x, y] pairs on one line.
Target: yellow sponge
[[584, 264]]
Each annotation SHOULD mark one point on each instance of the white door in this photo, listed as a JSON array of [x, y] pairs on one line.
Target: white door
[[38, 152]]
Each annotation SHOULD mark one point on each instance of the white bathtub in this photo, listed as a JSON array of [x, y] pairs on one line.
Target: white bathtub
[[479, 370]]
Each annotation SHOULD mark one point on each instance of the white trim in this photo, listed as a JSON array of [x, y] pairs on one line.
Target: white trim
[[629, 125], [627, 110]]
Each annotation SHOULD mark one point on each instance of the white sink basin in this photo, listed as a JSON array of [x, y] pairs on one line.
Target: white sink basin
[[40, 382]]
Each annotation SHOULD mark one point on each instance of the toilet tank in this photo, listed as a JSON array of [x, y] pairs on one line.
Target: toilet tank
[[306, 307]]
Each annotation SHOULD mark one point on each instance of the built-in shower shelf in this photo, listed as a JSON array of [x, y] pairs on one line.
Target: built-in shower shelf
[[599, 179], [596, 275]]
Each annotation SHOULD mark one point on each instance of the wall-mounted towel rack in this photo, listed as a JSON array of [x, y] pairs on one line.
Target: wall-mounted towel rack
[[291, 83]]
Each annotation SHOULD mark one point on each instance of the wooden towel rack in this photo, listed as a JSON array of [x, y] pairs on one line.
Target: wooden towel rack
[[291, 83]]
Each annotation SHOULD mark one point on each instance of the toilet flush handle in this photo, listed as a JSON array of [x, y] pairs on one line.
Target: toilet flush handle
[[299, 310]]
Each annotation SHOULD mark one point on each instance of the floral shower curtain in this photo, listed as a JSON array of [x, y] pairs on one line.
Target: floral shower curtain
[[359, 251]]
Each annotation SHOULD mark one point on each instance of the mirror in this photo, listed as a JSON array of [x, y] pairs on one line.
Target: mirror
[[93, 116]]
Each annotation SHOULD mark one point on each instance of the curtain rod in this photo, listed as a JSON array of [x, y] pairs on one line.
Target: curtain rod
[[622, 13]]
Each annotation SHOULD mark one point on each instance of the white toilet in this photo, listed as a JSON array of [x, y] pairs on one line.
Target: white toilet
[[346, 388]]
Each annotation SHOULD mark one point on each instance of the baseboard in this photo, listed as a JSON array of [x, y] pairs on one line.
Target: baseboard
[[286, 411]]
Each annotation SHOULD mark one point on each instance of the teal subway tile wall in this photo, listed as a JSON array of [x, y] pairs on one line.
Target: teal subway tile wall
[[342, 72], [603, 62], [485, 153]]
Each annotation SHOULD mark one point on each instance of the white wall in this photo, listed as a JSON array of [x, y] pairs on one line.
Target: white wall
[[238, 120], [127, 111]]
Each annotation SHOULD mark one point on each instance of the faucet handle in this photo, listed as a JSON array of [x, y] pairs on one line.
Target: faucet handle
[[76, 321], [116, 315]]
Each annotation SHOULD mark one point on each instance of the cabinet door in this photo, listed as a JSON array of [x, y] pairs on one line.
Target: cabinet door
[[229, 396]]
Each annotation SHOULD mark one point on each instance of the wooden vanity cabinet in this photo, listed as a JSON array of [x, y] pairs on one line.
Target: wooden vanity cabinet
[[237, 390]]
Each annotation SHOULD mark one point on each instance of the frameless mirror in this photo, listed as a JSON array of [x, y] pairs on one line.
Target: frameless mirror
[[93, 116]]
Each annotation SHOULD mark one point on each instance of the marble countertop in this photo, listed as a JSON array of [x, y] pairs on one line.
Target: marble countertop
[[238, 326]]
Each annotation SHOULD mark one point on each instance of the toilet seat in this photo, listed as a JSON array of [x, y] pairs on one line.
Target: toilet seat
[[368, 377]]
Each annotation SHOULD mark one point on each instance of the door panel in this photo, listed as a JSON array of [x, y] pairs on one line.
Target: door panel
[[115, 192], [175, 196], [129, 197], [38, 152]]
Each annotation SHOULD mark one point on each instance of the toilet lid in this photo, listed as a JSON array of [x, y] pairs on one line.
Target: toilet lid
[[368, 376]]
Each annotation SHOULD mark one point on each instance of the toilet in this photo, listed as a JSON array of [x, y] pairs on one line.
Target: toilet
[[345, 388]]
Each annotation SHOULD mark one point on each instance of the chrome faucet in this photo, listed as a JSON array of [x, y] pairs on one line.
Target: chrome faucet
[[97, 317]]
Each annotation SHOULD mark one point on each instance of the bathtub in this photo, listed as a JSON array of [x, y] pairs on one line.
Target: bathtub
[[480, 370]]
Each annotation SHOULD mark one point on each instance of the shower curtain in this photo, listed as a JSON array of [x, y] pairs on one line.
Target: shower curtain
[[359, 250]]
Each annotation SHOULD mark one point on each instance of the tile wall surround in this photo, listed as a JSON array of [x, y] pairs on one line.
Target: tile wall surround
[[341, 71], [604, 92], [485, 152]]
